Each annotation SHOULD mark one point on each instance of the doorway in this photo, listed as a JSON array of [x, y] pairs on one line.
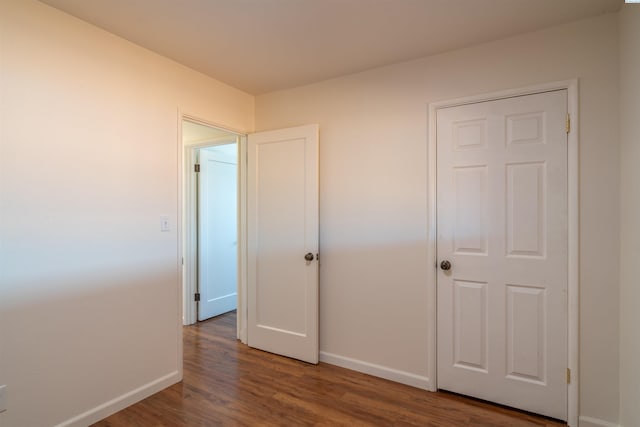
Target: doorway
[[277, 208], [211, 274]]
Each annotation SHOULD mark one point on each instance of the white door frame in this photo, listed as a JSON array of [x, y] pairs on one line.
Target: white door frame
[[186, 231], [573, 237]]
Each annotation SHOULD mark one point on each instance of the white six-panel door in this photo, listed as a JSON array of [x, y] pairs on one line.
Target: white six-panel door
[[218, 231], [282, 213], [502, 225]]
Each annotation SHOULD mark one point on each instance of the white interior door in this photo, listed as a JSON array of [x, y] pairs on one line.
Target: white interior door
[[502, 225], [282, 230], [218, 230]]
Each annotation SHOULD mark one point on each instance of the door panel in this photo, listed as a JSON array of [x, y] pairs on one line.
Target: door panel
[[502, 223], [470, 325], [218, 231], [470, 229], [526, 333], [526, 220], [282, 228]]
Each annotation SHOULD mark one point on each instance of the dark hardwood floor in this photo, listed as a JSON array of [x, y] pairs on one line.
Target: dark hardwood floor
[[228, 384]]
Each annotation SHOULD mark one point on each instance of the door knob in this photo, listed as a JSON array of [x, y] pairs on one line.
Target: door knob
[[445, 265], [309, 256]]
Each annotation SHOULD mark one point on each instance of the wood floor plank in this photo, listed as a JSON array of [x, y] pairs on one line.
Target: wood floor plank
[[228, 384]]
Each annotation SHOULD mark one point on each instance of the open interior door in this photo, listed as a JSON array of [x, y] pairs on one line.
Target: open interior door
[[218, 229], [282, 232]]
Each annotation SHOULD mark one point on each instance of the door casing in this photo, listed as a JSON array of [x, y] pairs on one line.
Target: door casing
[[573, 236]]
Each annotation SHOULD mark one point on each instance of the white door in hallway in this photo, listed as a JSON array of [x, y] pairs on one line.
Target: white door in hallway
[[282, 230], [502, 248], [218, 230]]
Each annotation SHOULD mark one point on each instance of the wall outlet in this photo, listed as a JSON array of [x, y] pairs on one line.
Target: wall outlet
[[3, 398]]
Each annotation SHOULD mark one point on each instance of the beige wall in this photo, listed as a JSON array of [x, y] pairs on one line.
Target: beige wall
[[89, 294], [630, 215], [88, 162], [373, 189]]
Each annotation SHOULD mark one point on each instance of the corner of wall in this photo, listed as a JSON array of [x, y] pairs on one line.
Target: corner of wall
[[629, 87]]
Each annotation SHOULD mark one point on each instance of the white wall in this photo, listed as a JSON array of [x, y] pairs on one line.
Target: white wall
[[89, 291], [630, 215], [88, 162], [373, 189]]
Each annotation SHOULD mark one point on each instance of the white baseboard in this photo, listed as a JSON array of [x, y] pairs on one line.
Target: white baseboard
[[376, 370], [111, 407], [594, 422]]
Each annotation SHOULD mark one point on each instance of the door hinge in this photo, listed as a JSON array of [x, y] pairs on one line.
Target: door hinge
[[196, 167], [182, 261], [196, 296], [568, 376], [568, 126]]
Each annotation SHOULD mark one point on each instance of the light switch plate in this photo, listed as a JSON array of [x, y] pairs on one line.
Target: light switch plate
[[3, 398], [164, 223]]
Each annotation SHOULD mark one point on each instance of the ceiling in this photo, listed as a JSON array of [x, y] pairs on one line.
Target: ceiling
[[260, 46], [196, 132]]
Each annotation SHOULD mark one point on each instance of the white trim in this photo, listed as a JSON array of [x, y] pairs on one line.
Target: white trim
[[376, 370], [190, 312], [243, 262], [573, 233], [119, 403], [594, 422], [212, 124], [179, 243], [573, 297], [432, 313], [508, 93]]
